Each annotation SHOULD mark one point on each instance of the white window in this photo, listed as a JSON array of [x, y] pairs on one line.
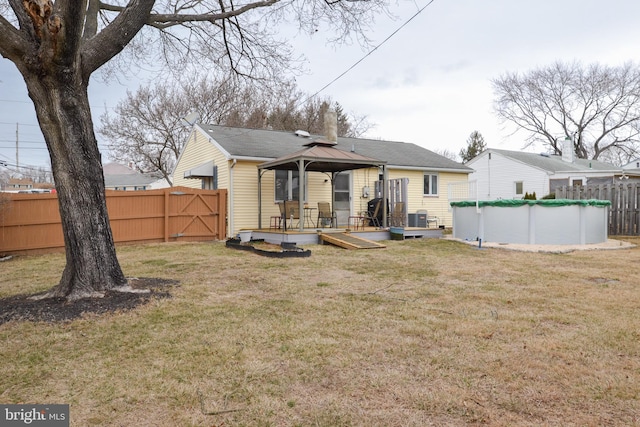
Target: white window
[[287, 186], [519, 185], [430, 187]]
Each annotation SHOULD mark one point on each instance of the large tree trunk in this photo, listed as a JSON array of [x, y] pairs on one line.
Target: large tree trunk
[[56, 62], [63, 111]]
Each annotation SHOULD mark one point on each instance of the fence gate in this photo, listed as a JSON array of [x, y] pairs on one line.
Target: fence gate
[[31, 222], [194, 216]]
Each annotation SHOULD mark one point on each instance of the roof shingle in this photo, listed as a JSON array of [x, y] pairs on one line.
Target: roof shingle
[[270, 144]]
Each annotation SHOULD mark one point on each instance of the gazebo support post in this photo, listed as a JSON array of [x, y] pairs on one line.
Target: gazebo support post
[[301, 185], [333, 195]]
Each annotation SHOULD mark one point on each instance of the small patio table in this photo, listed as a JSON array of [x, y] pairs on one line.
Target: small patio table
[[357, 221], [308, 216]]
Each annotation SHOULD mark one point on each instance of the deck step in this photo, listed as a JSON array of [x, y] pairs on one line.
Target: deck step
[[349, 241]]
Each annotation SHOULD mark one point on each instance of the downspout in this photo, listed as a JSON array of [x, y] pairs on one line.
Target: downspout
[[385, 186], [231, 198], [259, 199], [488, 176]]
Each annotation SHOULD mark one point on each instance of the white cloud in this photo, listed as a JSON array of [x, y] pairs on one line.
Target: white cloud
[[430, 83]]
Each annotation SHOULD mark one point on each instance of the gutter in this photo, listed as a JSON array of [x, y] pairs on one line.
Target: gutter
[[430, 169]]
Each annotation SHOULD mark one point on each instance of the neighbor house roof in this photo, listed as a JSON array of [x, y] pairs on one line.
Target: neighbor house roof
[[555, 164], [117, 175], [129, 180], [117, 169], [266, 145]]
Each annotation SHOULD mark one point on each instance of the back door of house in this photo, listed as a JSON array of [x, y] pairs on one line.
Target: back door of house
[[342, 194]]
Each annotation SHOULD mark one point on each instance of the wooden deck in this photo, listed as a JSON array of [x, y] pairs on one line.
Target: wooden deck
[[349, 241], [312, 236]]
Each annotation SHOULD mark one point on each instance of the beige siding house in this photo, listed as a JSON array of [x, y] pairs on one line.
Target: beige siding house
[[226, 157]]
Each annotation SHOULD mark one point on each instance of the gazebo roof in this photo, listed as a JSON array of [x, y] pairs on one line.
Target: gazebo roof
[[322, 156]]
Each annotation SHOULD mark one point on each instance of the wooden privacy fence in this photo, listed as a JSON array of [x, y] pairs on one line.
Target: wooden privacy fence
[[31, 222], [624, 212]]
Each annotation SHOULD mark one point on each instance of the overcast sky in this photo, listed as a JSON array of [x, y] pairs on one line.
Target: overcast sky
[[428, 84]]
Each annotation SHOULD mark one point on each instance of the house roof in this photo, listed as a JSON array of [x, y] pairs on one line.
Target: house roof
[[118, 175], [129, 180], [21, 181], [268, 144], [555, 164], [117, 169]]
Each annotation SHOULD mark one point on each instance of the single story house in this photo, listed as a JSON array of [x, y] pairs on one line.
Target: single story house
[[503, 174], [27, 185], [631, 171], [216, 157], [124, 178], [20, 184]]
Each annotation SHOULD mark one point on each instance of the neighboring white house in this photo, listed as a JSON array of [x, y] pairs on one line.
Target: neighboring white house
[[124, 178], [633, 164], [503, 174]]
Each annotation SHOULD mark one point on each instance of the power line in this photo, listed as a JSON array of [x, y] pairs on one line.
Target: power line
[[23, 148], [370, 52], [17, 123], [23, 141], [16, 101], [15, 168]]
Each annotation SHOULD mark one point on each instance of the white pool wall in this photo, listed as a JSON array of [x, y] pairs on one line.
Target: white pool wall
[[569, 224]]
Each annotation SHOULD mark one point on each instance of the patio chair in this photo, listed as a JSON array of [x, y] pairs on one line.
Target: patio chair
[[398, 215], [431, 219], [276, 221], [326, 217], [372, 216], [423, 215], [292, 211]]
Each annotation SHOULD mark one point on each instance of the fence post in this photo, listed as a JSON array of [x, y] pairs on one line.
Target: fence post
[[222, 219], [166, 214]]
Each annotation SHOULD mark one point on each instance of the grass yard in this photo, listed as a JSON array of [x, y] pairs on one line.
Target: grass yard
[[424, 332]]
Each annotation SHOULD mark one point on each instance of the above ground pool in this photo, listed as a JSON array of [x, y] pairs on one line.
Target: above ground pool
[[544, 222]]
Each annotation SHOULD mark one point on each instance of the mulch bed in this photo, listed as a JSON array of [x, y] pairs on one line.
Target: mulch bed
[[52, 310]]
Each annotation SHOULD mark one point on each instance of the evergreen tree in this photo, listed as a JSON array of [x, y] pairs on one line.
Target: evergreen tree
[[475, 146]]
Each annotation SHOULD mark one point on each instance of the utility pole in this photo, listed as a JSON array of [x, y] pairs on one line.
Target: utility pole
[[17, 158]]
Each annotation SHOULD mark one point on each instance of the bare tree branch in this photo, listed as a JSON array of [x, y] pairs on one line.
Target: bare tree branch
[[147, 129], [597, 106], [115, 36], [13, 43]]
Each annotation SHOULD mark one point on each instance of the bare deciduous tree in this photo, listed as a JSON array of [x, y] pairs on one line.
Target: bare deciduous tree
[[444, 152], [597, 106], [147, 128], [57, 46]]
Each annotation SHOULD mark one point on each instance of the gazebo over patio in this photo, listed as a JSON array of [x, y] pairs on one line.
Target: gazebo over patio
[[320, 156]]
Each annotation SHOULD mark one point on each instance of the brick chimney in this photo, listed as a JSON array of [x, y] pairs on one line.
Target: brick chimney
[[331, 126], [568, 155]]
